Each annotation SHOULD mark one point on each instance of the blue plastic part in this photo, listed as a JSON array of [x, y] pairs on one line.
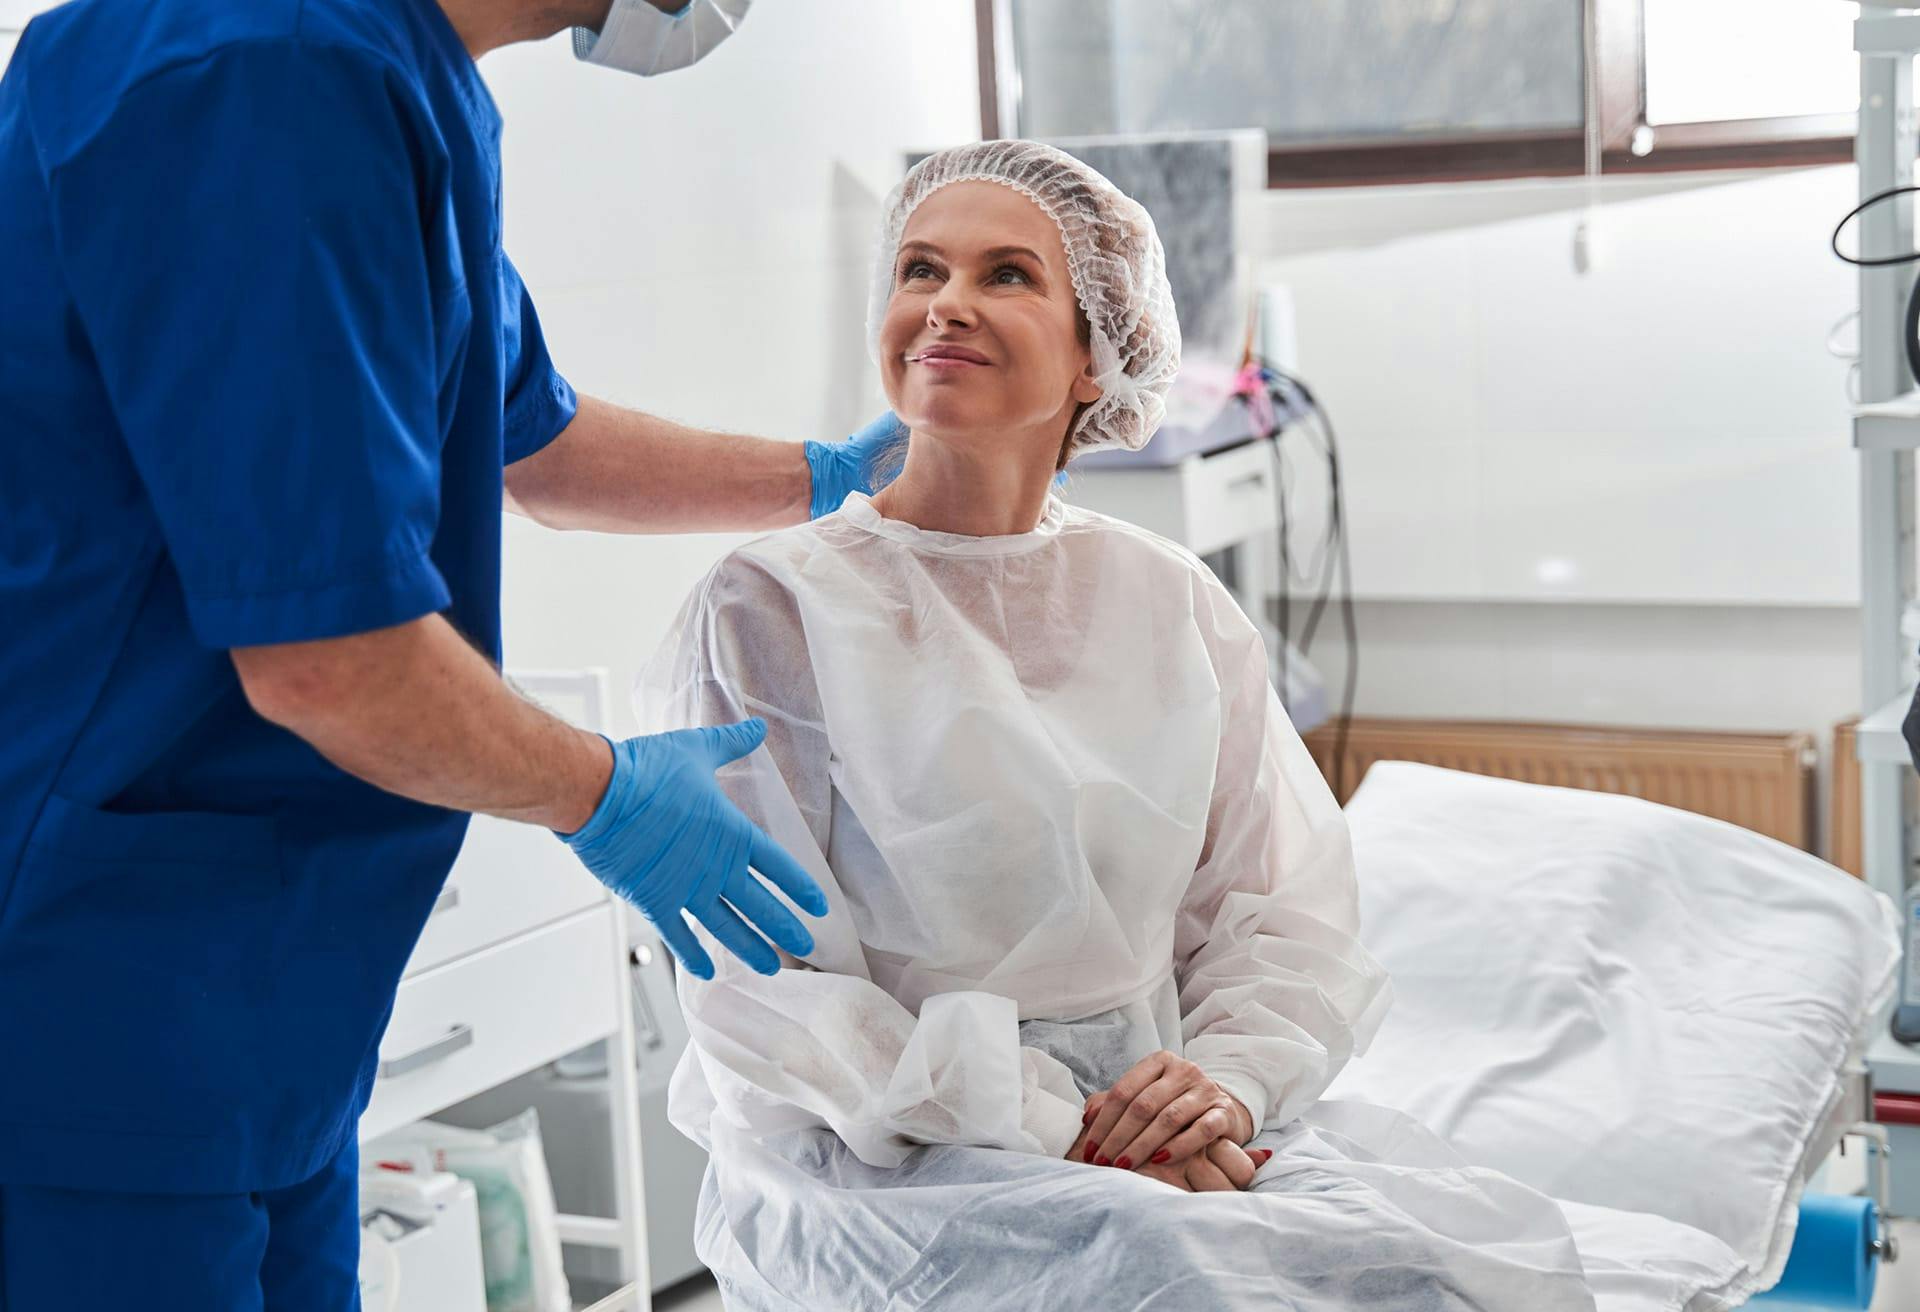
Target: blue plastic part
[[1832, 1264]]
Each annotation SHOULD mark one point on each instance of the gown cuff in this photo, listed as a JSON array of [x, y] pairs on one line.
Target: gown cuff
[[1050, 1103]]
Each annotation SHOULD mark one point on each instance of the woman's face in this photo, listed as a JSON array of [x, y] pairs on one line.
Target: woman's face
[[981, 338]]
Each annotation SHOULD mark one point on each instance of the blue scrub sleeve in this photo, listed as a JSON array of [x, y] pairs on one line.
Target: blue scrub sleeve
[[247, 243], [540, 403]]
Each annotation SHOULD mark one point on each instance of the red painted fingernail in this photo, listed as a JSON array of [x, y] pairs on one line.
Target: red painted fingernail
[[1125, 1163], [1091, 1149], [1162, 1156], [1265, 1155], [1103, 1161], [1086, 1117]]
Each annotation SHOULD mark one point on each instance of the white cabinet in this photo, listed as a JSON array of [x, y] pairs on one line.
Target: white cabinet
[[481, 1020], [509, 878], [523, 961], [1205, 502]]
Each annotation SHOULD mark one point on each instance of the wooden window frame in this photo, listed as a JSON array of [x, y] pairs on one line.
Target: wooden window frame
[[1627, 143]]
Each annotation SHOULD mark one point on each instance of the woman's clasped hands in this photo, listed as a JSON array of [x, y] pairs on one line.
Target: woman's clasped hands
[[1166, 1119]]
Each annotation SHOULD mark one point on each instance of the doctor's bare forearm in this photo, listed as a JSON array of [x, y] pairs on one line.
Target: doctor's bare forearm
[[619, 471], [417, 711]]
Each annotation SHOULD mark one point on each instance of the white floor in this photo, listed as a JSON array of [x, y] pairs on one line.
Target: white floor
[[1898, 1291]]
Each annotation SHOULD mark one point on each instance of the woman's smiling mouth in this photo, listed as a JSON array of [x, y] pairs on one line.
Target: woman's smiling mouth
[[947, 356]]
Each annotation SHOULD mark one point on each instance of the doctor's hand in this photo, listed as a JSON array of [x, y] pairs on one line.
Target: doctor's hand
[[1161, 1112], [843, 467], [666, 839]]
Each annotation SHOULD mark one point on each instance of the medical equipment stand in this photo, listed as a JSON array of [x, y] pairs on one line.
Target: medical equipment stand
[[1886, 432]]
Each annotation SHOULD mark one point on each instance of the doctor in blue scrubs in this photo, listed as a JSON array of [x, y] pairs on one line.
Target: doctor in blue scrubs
[[266, 381]]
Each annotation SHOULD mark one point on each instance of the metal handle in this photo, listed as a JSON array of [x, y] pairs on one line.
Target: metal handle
[[460, 1036], [646, 1025], [449, 899], [1258, 478]]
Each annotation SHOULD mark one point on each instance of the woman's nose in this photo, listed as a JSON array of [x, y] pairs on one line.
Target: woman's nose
[[950, 308]]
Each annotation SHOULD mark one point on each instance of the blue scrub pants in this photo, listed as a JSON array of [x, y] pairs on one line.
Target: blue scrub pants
[[289, 1250]]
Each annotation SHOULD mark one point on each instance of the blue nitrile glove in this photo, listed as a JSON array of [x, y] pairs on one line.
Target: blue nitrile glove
[[666, 839], [843, 467]]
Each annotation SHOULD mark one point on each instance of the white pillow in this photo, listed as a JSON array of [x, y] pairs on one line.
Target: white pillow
[[1613, 1001]]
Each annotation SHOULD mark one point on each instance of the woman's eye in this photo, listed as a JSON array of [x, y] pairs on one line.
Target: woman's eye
[[1010, 275], [916, 269]]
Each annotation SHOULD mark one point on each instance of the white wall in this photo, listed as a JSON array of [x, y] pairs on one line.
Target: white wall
[[1664, 428], [698, 247], [1669, 425]]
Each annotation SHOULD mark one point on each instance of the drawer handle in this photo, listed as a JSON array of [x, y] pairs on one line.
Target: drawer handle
[[1257, 478], [460, 1036], [449, 899], [646, 1025]]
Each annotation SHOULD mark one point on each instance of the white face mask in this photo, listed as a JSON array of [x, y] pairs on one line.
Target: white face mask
[[638, 38]]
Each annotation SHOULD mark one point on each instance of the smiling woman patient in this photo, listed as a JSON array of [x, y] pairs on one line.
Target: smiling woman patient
[[1091, 957]]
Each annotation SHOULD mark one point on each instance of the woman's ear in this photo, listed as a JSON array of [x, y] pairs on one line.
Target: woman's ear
[[1085, 390]]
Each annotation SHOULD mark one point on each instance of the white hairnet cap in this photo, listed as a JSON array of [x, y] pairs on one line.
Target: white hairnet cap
[[1113, 254]]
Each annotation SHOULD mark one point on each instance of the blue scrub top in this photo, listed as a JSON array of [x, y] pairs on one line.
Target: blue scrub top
[[262, 362]]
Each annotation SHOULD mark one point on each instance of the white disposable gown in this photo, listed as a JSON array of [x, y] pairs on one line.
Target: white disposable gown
[[1062, 821]]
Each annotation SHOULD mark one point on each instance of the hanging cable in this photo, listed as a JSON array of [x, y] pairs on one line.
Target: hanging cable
[[1292, 407], [1910, 340]]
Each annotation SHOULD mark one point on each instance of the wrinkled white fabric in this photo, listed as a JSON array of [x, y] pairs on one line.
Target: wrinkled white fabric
[[1040, 776], [1616, 1002], [1114, 257], [1638, 1262], [1359, 1209], [1062, 821]]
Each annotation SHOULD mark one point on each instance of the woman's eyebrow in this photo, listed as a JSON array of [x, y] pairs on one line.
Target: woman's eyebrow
[[996, 253]]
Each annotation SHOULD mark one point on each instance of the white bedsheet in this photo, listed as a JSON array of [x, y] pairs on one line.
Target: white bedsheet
[[1635, 1262], [1623, 1005]]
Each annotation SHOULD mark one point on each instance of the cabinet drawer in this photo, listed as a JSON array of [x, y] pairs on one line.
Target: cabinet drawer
[[1204, 503], [1229, 497], [509, 878], [470, 1024]]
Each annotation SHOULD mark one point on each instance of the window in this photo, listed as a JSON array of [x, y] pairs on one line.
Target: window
[[1411, 90], [1711, 61]]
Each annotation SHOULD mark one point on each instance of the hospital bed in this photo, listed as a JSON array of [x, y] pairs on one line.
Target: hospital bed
[[1655, 1018]]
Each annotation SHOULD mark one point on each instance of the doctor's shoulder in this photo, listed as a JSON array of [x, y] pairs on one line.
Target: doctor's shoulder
[[159, 66]]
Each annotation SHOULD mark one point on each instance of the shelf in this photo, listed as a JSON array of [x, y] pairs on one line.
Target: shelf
[[1885, 33], [624, 1299], [1888, 425], [1878, 740]]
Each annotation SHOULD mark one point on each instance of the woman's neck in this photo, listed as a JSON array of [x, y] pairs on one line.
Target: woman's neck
[[979, 490]]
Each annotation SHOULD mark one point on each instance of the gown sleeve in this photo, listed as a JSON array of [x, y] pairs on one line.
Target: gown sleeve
[[1276, 992], [820, 1044]]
